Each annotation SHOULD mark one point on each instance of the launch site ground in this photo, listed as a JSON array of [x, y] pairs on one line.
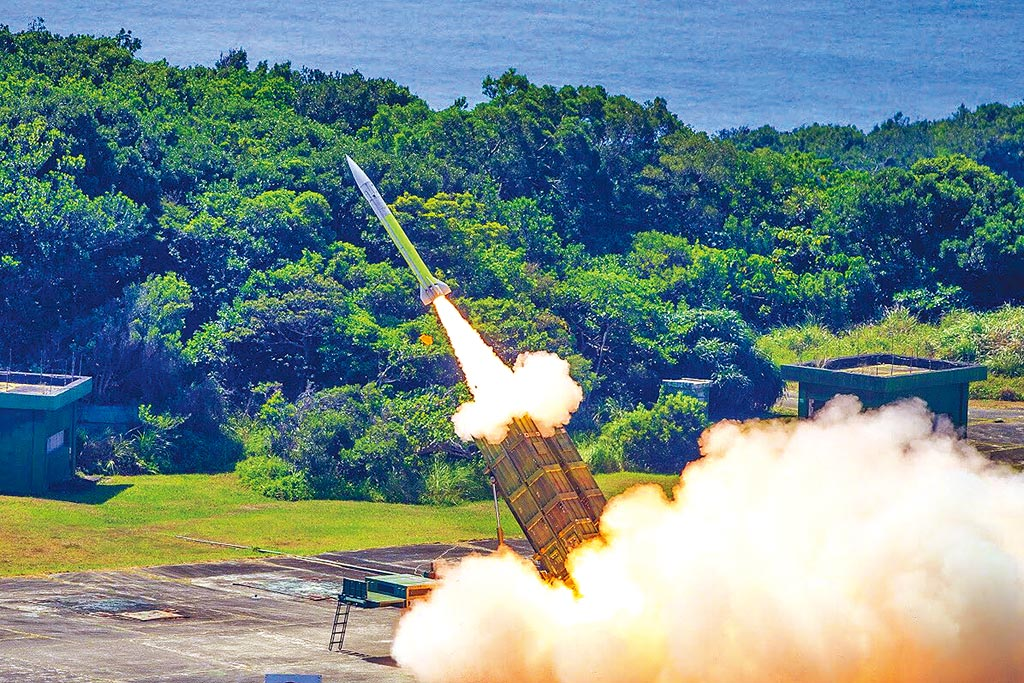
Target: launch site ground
[[996, 428], [239, 620], [219, 621]]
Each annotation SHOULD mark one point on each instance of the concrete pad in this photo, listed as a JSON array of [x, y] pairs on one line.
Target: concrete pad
[[998, 433], [223, 621]]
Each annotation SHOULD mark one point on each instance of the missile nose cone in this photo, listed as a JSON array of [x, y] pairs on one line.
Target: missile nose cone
[[357, 172]]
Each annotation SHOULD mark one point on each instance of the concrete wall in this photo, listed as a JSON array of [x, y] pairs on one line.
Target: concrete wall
[[26, 468], [17, 433]]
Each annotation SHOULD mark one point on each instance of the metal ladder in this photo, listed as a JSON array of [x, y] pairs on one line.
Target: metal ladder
[[341, 613]]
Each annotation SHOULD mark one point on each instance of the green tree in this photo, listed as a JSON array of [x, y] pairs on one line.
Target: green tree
[[662, 438]]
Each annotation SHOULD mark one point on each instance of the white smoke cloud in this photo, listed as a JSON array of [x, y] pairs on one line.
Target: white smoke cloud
[[852, 548], [539, 385]]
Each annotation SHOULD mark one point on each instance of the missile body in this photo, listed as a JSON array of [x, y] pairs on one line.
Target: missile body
[[430, 286]]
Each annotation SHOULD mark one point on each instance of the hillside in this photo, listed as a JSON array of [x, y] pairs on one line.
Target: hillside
[[191, 238]]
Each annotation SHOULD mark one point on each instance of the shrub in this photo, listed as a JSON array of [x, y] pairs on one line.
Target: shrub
[[993, 338], [600, 460], [359, 442], [662, 438], [273, 477], [718, 345], [999, 388], [448, 483], [928, 304], [109, 454]]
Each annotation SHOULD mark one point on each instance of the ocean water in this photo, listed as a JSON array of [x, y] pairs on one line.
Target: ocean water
[[718, 64]]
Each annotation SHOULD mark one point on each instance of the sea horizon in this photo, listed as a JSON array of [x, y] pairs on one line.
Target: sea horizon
[[718, 65]]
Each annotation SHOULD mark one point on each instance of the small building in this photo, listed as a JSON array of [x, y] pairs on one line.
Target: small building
[[877, 379], [699, 389], [37, 430]]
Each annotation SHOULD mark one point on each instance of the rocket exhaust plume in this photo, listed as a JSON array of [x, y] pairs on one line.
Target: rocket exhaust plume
[[853, 548], [515, 418], [539, 385]]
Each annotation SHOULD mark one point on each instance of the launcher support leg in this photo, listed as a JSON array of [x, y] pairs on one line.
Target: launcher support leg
[[497, 513]]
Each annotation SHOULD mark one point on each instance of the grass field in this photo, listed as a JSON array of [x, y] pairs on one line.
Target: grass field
[[132, 521]]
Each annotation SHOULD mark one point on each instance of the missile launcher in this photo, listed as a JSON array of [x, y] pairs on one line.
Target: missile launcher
[[547, 486], [549, 489]]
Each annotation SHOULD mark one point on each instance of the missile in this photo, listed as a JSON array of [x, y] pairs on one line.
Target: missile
[[430, 286]]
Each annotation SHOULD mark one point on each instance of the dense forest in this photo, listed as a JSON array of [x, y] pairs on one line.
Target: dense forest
[[192, 239]]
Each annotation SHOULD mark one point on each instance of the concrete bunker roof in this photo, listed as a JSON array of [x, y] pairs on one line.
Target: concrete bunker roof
[[884, 372], [37, 391]]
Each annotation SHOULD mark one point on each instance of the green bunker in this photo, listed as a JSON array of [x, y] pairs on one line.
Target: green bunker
[[877, 379], [37, 430]]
